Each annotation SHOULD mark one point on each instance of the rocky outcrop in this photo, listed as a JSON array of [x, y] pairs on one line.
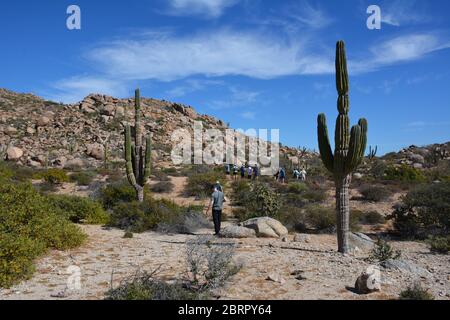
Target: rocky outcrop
[[14, 153], [266, 227], [237, 232]]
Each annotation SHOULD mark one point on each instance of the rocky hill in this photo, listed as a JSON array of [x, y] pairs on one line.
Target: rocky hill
[[36, 132]]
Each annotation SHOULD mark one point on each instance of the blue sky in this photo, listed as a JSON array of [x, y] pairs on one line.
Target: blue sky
[[253, 63]]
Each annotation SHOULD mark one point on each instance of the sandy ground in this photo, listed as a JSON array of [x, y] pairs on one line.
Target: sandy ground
[[327, 274], [107, 255]]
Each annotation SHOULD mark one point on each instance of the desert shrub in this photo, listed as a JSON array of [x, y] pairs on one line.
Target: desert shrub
[[162, 187], [404, 173], [148, 215], [371, 218], [374, 193], [53, 176], [82, 178], [423, 211], [208, 266], [115, 193], [415, 292], [209, 263], [201, 184], [241, 189], [297, 187], [378, 168], [186, 223], [321, 219], [440, 245], [261, 201], [143, 286], [79, 209], [128, 235], [161, 175], [441, 172], [29, 225], [14, 172], [383, 251]]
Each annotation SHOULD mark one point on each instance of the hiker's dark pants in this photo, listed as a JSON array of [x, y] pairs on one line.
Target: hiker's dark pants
[[217, 217]]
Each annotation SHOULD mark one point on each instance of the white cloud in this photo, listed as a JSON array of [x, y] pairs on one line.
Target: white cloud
[[209, 8], [74, 89], [237, 98], [311, 16], [400, 12], [214, 53], [400, 49], [421, 124], [192, 85]]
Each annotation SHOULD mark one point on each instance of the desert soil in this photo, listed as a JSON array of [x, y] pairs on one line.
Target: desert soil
[[107, 256]]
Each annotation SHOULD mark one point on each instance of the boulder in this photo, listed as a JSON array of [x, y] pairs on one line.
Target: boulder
[[14, 153], [360, 241], [266, 227], [406, 266], [43, 121], [368, 281], [237, 232], [30, 130], [10, 130], [96, 151], [358, 176], [108, 110], [417, 158]]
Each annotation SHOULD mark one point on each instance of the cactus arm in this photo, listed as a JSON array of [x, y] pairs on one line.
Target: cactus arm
[[353, 159], [128, 157], [324, 142], [363, 142], [148, 158]]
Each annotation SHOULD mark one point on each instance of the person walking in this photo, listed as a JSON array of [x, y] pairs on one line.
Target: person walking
[[242, 172], [217, 200], [282, 175], [235, 172], [249, 172], [255, 172], [303, 174]]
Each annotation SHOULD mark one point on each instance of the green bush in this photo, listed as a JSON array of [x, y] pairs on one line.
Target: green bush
[[79, 209], [371, 218], [29, 225], [374, 193], [261, 201], [423, 211], [241, 189], [201, 184], [115, 193], [404, 173], [82, 178], [162, 187], [321, 219], [440, 245], [297, 187], [53, 176], [383, 251], [142, 216], [14, 172], [416, 292], [143, 286]]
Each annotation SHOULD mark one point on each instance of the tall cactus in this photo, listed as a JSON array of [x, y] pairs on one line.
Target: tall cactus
[[138, 164], [350, 146]]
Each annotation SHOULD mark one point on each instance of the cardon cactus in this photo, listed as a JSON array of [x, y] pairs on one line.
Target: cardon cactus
[[350, 146], [138, 162]]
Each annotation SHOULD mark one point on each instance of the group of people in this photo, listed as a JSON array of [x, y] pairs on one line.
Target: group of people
[[246, 171], [280, 175], [250, 172]]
